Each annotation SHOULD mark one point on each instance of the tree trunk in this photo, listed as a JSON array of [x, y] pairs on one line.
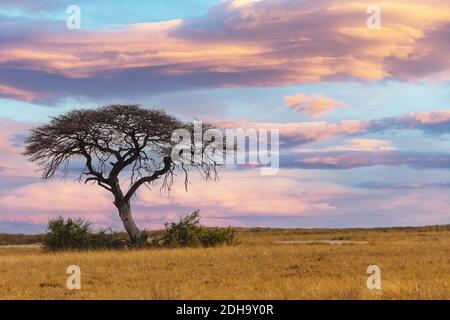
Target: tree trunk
[[128, 222]]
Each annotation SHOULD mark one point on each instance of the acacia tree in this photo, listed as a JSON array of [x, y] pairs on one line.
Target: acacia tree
[[114, 143]]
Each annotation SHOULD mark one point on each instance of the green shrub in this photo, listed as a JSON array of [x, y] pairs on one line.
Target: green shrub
[[76, 234], [213, 236], [188, 232], [105, 240]]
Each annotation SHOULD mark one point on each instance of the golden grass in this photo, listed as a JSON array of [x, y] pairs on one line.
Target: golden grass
[[415, 264]]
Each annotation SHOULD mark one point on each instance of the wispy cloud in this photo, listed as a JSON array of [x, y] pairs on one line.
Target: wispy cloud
[[360, 145], [403, 185], [315, 105], [20, 94], [416, 160]]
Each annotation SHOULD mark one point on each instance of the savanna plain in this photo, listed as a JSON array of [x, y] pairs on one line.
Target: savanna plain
[[265, 264]]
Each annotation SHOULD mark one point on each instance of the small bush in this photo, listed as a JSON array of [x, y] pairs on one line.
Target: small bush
[[76, 234], [214, 236], [188, 232]]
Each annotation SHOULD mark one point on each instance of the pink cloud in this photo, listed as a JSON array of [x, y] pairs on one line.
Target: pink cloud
[[361, 145], [313, 104], [418, 160], [285, 196], [20, 94], [428, 118], [38, 202], [11, 159]]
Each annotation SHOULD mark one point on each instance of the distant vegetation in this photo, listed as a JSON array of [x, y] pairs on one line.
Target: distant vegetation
[[7, 239], [256, 234]]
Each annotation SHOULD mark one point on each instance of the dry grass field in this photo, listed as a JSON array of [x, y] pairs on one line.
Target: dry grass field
[[267, 264]]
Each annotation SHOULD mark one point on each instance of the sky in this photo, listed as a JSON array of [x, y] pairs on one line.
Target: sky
[[363, 113]]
